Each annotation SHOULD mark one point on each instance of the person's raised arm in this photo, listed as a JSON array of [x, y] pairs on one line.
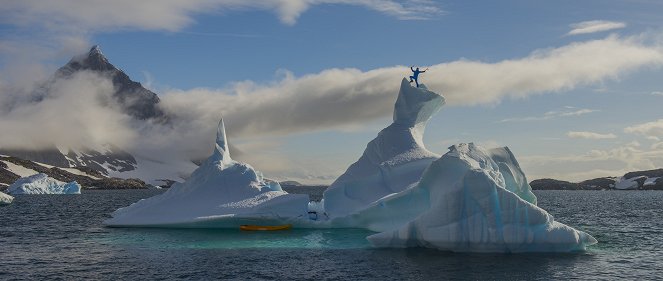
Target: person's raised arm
[[411, 68], [424, 70]]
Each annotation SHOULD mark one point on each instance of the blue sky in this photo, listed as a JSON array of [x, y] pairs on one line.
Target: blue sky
[[195, 53]]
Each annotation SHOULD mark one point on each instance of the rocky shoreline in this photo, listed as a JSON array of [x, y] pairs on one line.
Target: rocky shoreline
[[638, 180]]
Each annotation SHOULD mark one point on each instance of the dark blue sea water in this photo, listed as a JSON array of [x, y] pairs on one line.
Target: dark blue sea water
[[55, 237]]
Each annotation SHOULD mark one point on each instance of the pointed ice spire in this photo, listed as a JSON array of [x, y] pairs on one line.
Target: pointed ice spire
[[221, 151]]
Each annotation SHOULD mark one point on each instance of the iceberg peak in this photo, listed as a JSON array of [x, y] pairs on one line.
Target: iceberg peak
[[221, 151], [221, 193], [391, 162], [416, 105]]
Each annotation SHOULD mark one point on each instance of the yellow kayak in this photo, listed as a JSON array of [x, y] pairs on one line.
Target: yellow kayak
[[249, 227]]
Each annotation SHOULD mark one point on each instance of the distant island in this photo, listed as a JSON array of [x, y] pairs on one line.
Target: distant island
[[638, 180]]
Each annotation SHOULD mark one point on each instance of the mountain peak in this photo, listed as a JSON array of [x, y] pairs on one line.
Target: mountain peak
[[95, 50], [136, 101]]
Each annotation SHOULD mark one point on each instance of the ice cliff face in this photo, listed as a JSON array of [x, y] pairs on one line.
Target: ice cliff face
[[392, 161], [479, 201], [42, 184], [220, 193]]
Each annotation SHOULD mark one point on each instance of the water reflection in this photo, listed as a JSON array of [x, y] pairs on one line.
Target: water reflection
[[237, 239]]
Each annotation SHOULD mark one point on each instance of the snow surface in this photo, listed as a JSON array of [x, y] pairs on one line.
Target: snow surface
[[20, 170], [220, 193], [42, 184], [623, 183], [70, 170], [393, 161], [5, 199], [650, 181], [473, 207]]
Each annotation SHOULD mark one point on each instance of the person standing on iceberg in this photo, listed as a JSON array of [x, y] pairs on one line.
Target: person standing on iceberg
[[415, 76]]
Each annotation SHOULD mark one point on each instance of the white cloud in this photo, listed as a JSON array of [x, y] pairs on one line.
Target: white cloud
[[334, 98], [594, 26], [657, 93], [338, 98], [173, 15], [652, 129], [78, 111], [595, 163], [548, 70], [568, 111], [589, 135], [347, 98], [657, 146]]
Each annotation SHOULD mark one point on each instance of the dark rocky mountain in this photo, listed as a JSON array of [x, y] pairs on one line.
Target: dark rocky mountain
[[290, 183], [638, 180], [553, 184], [87, 178], [110, 158], [134, 100]]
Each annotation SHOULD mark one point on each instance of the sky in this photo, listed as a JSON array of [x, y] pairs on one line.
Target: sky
[[573, 88]]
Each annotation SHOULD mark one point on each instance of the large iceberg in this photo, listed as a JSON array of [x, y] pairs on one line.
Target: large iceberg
[[468, 200], [479, 201], [220, 193], [391, 162], [5, 199], [42, 184]]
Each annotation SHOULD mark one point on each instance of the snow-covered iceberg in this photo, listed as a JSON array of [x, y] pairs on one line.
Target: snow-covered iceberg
[[391, 162], [220, 193], [479, 201], [5, 199], [43, 184]]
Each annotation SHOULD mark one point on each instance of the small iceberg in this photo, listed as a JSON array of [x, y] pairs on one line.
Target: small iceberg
[[221, 193], [5, 199], [43, 184]]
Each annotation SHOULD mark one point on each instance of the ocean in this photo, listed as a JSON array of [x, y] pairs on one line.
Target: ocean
[[61, 237]]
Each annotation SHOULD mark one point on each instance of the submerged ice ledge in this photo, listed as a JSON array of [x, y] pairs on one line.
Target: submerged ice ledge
[[468, 200]]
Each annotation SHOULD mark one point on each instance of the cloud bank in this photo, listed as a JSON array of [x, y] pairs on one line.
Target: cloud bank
[[589, 135], [341, 98], [173, 15], [568, 111], [611, 162], [77, 112], [653, 129], [329, 100], [594, 26]]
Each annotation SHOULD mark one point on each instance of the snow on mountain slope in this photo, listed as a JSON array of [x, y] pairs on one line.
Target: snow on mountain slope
[[19, 170]]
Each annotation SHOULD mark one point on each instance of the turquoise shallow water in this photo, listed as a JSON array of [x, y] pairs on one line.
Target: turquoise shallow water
[[61, 237]]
